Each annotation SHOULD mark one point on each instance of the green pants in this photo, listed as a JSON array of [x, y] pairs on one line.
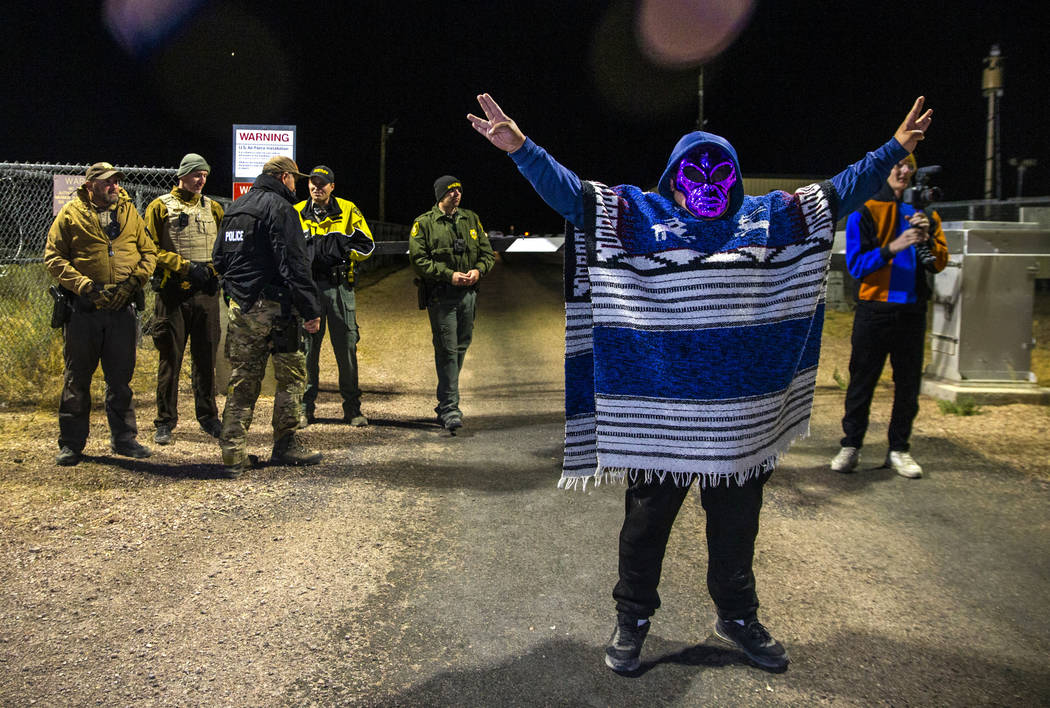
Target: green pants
[[339, 317], [452, 324], [248, 348]]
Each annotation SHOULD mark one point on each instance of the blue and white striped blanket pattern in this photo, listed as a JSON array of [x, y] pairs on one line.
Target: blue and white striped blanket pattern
[[691, 349]]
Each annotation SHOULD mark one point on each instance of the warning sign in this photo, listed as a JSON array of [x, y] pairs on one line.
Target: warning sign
[[63, 189], [253, 145]]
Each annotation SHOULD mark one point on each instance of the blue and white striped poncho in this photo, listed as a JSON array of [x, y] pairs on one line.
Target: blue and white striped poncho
[[691, 346]]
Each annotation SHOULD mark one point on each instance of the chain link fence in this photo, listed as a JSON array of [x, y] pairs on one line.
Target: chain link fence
[[30, 350]]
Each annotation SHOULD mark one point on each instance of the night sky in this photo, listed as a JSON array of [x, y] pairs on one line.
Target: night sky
[[806, 88]]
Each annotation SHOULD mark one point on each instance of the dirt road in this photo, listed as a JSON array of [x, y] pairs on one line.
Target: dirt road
[[414, 568]]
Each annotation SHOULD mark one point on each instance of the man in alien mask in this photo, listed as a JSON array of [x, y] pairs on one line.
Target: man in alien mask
[[693, 321]]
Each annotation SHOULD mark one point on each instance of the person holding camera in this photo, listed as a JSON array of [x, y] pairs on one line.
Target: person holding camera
[[892, 243], [261, 255], [450, 253], [183, 224], [98, 252], [337, 237]]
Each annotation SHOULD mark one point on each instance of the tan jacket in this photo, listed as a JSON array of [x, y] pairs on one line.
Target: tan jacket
[[78, 252]]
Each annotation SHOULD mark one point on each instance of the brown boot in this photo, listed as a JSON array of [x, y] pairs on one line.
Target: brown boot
[[290, 451]]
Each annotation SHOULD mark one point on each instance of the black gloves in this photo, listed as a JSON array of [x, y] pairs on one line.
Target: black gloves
[[203, 277], [120, 296], [98, 297], [199, 275]]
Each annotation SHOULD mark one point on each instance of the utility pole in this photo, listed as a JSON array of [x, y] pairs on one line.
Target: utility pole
[[385, 131], [992, 87], [1022, 164]]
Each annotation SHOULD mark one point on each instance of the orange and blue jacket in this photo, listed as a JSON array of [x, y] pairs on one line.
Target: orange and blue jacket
[[885, 277]]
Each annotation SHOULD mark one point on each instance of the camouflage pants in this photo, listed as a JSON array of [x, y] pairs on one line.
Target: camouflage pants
[[248, 348]]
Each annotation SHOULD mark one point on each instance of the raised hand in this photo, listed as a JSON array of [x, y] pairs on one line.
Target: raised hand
[[499, 128], [913, 129]]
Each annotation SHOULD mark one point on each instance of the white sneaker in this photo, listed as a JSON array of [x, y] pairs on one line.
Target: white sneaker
[[846, 460], [904, 465]]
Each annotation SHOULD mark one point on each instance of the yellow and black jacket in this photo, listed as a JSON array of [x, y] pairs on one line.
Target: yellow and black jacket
[[337, 240]]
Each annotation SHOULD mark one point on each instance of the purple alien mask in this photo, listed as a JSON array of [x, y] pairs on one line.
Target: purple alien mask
[[705, 177]]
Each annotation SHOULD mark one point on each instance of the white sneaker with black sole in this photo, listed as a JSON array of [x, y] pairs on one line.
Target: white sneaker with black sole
[[846, 461], [903, 464]]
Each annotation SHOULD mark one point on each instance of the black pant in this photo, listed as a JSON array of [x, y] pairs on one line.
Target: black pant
[[732, 526], [107, 336], [175, 320], [899, 333]]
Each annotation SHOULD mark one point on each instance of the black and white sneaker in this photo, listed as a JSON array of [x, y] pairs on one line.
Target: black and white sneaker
[[753, 639], [625, 645]]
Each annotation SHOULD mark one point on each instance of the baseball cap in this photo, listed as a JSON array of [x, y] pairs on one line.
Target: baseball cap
[[323, 172], [281, 163], [102, 170]]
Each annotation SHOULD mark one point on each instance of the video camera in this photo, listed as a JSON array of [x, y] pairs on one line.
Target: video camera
[[921, 194]]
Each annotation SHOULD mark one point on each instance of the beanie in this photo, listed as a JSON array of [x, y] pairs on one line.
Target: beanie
[[191, 163], [442, 185]]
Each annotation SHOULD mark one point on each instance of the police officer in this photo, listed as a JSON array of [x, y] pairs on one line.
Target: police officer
[[98, 252], [337, 237], [450, 252], [183, 225], [261, 255]]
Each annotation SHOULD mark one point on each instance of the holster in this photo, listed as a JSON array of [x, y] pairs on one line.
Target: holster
[[340, 274], [422, 293], [62, 309], [334, 276], [286, 336]]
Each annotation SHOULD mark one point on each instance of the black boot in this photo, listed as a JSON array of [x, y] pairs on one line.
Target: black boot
[[289, 451]]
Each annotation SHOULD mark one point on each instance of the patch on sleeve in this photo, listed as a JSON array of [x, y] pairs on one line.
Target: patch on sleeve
[[415, 229]]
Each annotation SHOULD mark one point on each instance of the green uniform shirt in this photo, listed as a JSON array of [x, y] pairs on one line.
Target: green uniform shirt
[[432, 245]]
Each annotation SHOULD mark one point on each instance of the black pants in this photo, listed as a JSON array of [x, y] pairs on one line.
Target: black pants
[[732, 526], [899, 333], [90, 337], [175, 320]]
